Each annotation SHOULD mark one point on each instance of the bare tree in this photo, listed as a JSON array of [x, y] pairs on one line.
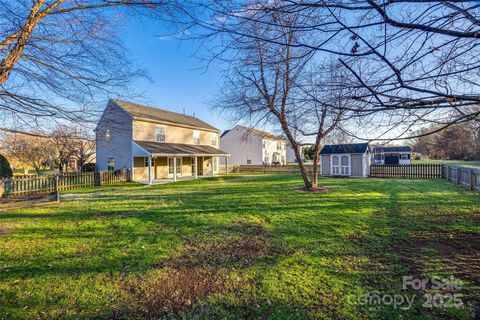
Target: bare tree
[[30, 151], [276, 84], [412, 62], [84, 150], [59, 58], [63, 141]]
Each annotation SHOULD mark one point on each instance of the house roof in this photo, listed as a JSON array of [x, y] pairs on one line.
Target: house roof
[[139, 111], [224, 133], [344, 148], [261, 133], [162, 148], [393, 149]]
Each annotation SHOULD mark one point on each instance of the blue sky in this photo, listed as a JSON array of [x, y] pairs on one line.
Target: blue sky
[[179, 80]]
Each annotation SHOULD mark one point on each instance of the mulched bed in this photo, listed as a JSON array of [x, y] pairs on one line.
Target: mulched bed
[[318, 189]]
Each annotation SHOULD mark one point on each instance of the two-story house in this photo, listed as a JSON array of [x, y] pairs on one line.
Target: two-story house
[[155, 143], [251, 146]]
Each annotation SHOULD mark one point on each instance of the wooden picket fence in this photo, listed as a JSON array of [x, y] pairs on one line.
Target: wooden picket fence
[[412, 171], [26, 185]]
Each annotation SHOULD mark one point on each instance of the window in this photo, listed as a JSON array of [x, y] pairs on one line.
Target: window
[[264, 143], [249, 161], [196, 137], [161, 134], [275, 158], [215, 164], [404, 156], [214, 139], [107, 135], [279, 145], [145, 162], [265, 160], [110, 164]]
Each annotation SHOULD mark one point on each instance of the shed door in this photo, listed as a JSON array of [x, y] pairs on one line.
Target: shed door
[[341, 165]]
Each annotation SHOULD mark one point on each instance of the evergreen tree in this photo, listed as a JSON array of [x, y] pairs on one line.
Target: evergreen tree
[[5, 169]]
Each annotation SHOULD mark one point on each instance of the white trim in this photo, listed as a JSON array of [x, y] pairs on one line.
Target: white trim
[[340, 155]]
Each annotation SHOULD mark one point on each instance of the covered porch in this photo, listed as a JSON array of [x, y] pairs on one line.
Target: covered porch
[[162, 162]]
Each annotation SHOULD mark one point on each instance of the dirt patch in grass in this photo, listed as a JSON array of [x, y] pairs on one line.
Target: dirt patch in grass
[[178, 291], [247, 243], [6, 229], [200, 269]]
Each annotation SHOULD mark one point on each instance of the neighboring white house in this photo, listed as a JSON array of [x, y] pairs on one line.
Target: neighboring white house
[[251, 146], [350, 160], [401, 155]]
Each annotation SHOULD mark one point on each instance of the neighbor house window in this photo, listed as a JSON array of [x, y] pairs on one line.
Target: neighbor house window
[[279, 145], [196, 137], [145, 162], [161, 134], [110, 164], [263, 143], [404, 156], [107, 135], [214, 139]]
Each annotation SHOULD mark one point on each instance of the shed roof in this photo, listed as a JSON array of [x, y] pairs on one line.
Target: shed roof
[[154, 114], [344, 148], [393, 149], [163, 148]]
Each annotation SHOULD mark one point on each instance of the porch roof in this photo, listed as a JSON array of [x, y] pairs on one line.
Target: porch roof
[[179, 149]]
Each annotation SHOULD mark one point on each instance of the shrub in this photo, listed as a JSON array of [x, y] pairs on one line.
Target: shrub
[[5, 169]]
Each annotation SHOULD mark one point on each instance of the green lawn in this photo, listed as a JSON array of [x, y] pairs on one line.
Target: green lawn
[[240, 247]]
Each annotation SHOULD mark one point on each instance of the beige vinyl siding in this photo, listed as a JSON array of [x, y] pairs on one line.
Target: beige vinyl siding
[[146, 131], [325, 165], [140, 172], [161, 167]]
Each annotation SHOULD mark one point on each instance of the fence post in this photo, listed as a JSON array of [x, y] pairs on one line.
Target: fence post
[[56, 188], [472, 180], [459, 176]]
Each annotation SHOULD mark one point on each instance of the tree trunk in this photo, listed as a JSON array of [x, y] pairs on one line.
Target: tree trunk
[[315, 171], [6, 65]]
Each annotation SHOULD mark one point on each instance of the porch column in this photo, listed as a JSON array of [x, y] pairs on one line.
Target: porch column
[[174, 168], [150, 170], [213, 171], [196, 168], [226, 165]]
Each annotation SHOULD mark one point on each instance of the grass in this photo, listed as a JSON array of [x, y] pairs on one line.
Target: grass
[[472, 164], [239, 247]]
